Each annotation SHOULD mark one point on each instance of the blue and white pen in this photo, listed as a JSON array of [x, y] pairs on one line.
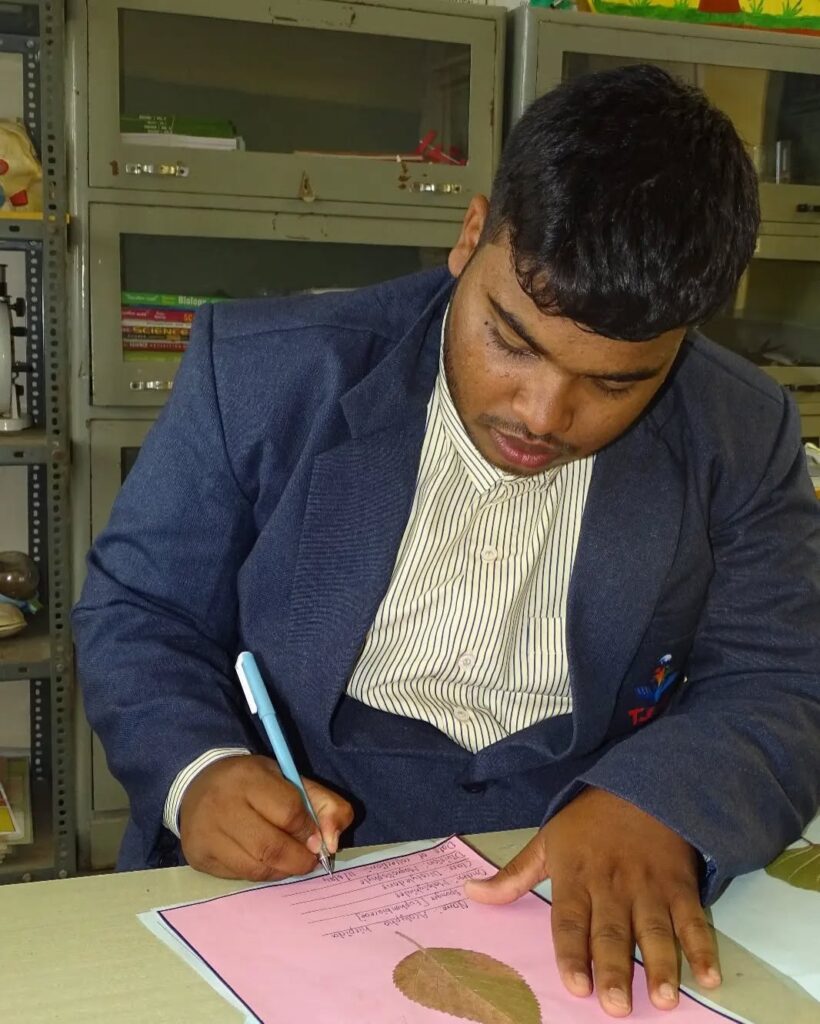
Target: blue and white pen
[[259, 702]]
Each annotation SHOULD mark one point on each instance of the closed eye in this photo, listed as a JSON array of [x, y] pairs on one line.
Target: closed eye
[[511, 350], [612, 389]]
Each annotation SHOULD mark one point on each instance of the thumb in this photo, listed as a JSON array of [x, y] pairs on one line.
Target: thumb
[[525, 870], [334, 813]]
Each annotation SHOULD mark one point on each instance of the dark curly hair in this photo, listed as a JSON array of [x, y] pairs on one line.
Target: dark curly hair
[[629, 201]]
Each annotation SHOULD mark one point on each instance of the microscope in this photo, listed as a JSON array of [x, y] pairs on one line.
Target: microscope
[[11, 417]]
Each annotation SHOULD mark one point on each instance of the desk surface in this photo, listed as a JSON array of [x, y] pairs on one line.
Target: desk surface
[[73, 950]]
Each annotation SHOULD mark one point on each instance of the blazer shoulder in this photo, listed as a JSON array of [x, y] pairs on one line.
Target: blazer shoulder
[[725, 397], [280, 367], [734, 427], [386, 309]]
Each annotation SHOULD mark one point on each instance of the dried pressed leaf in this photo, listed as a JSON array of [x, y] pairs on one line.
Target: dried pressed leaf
[[466, 984], [800, 868]]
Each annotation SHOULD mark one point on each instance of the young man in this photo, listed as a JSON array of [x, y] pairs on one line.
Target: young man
[[515, 546]]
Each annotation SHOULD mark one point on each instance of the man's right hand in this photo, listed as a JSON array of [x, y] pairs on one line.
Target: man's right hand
[[240, 818]]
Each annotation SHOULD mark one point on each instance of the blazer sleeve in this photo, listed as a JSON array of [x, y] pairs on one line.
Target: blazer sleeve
[[734, 765], [155, 627]]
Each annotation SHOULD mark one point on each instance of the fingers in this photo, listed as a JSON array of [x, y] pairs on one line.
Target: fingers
[[610, 943], [571, 912], [225, 857], [280, 803], [697, 940], [275, 851], [525, 870], [334, 813], [655, 936]]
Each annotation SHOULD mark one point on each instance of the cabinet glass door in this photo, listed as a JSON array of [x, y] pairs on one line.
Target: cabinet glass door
[[769, 84], [151, 267], [301, 99]]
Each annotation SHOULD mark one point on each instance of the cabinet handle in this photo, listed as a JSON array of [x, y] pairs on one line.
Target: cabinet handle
[[306, 193], [808, 208], [448, 188], [151, 385], [164, 170]]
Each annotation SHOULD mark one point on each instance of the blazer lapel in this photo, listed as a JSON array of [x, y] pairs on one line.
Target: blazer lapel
[[628, 541], [360, 496]]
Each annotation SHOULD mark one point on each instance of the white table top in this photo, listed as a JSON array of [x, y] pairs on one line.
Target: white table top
[[73, 950]]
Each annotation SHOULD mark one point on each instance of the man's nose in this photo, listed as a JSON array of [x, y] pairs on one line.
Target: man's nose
[[545, 407]]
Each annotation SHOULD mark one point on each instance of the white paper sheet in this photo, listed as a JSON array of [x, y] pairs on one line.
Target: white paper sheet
[[776, 921]]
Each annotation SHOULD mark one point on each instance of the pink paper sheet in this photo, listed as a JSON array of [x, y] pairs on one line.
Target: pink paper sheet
[[323, 950]]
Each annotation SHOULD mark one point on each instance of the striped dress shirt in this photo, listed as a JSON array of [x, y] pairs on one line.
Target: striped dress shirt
[[471, 634]]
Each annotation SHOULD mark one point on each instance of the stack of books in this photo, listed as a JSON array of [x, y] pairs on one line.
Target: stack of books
[[157, 326], [16, 825], [172, 130]]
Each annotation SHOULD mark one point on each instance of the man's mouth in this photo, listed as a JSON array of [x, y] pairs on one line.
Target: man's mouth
[[524, 454]]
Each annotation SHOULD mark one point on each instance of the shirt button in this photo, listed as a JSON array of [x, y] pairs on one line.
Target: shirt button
[[462, 714], [489, 554], [466, 660]]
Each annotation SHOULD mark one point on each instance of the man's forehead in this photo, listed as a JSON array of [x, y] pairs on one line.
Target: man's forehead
[[555, 337]]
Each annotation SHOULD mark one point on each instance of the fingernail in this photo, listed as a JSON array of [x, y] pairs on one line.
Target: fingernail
[[712, 976], [581, 981], [314, 843], [618, 998], [666, 991]]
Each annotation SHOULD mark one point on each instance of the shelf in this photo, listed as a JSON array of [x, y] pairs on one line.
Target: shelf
[[24, 226], [28, 447], [27, 655]]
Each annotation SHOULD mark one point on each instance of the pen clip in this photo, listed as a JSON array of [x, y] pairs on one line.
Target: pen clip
[[246, 687]]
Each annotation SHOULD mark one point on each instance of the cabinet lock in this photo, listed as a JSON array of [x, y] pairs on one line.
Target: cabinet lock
[[162, 170], [151, 385], [448, 188]]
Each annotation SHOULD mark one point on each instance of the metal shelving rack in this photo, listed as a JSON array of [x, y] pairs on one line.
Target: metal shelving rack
[[42, 653]]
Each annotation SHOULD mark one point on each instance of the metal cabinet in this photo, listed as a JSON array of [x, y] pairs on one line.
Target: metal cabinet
[[232, 254], [774, 316], [295, 77], [769, 84], [37, 662]]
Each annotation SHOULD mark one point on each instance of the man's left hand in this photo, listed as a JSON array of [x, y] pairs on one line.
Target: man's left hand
[[618, 877]]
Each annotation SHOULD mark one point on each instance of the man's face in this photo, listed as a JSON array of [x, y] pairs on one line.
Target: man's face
[[533, 390]]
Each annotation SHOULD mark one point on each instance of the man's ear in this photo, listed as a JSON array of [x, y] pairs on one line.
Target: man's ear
[[471, 228]]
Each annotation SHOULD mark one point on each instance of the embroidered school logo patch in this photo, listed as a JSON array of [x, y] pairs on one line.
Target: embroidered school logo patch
[[664, 678]]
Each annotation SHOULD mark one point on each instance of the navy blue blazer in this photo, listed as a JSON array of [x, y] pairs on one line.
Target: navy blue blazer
[[265, 512]]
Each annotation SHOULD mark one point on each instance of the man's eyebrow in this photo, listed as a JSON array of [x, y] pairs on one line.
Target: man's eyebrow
[[514, 324], [625, 377]]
